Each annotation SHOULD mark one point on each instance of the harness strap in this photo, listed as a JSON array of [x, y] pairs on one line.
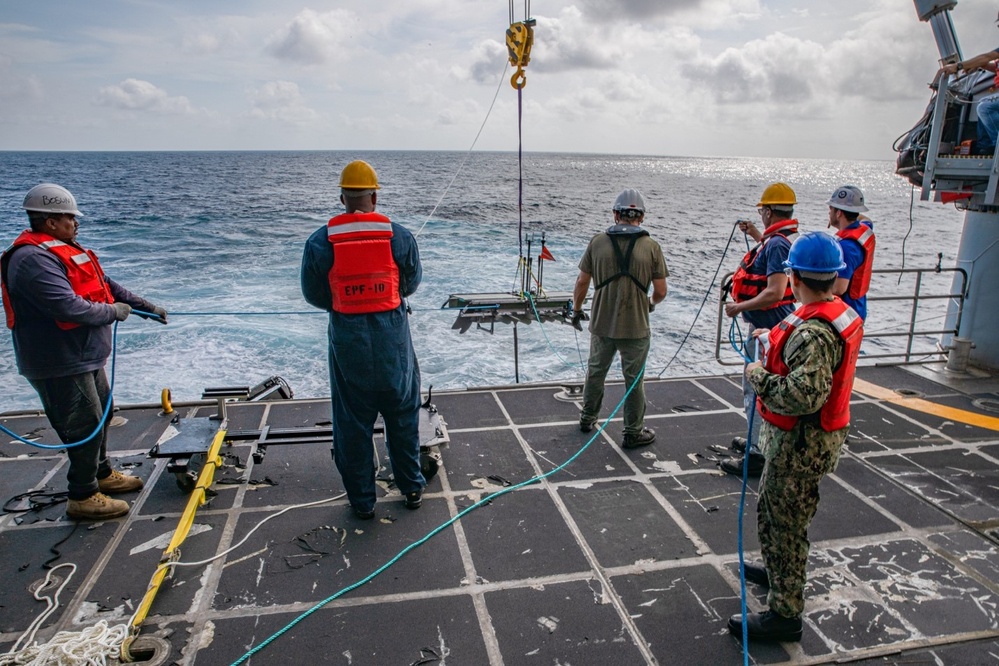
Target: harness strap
[[624, 263]]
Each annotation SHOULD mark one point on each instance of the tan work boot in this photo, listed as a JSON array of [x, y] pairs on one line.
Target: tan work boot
[[96, 507], [119, 483]]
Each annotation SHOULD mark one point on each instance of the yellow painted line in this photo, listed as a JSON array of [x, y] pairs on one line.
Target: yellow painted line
[[925, 406], [198, 497]]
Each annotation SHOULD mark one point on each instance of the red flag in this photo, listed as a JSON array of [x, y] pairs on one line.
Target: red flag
[[545, 254]]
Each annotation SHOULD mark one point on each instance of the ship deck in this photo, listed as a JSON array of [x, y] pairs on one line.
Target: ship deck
[[623, 557]]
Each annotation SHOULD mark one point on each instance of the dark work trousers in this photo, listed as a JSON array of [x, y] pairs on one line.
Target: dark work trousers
[[354, 413], [74, 406]]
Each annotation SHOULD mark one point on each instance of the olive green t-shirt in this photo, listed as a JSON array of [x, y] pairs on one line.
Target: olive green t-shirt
[[621, 308]]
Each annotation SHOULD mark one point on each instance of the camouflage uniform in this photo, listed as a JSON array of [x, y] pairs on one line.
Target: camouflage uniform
[[796, 459]]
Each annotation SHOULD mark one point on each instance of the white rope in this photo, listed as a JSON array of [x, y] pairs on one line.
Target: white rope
[[90, 647], [94, 645], [468, 153]]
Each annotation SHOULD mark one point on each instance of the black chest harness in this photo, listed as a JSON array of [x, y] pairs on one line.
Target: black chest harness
[[624, 259]]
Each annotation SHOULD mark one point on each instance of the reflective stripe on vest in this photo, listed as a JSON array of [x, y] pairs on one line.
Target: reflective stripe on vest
[[364, 277], [860, 281], [83, 270], [747, 284], [835, 412]]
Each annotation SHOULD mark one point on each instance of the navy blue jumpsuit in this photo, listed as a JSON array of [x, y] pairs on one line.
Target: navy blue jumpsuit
[[373, 369]]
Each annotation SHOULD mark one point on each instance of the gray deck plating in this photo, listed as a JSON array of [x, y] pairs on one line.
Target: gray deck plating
[[623, 557]]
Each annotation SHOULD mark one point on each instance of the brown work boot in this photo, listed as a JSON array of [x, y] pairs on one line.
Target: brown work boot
[[117, 483], [96, 507]]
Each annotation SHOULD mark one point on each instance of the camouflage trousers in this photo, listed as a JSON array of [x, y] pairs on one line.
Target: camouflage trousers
[[789, 497]]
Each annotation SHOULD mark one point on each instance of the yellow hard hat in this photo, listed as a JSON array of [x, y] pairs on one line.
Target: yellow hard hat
[[358, 175], [778, 194]]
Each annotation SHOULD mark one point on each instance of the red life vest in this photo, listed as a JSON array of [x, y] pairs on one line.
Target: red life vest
[[746, 284], [84, 272], [835, 413], [860, 282], [364, 277]]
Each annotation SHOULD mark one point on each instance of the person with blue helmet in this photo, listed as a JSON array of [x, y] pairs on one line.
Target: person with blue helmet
[[803, 390], [856, 239]]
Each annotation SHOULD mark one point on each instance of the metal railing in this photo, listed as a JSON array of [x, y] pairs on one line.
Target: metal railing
[[911, 333]]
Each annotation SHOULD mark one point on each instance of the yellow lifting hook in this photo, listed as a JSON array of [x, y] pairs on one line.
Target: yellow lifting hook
[[519, 40]]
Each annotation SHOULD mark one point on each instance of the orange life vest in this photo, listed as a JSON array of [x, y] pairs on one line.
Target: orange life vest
[[860, 282], [835, 413], [746, 284], [364, 277], [84, 272]]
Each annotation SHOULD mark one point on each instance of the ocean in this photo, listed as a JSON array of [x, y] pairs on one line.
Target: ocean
[[216, 238]]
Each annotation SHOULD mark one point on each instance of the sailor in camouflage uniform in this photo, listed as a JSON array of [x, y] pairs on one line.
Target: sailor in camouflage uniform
[[803, 388]]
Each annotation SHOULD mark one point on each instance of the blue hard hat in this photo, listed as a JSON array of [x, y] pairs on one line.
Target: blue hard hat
[[817, 253]]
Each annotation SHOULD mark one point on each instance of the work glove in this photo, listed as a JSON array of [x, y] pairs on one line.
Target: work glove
[[652, 306], [578, 316], [121, 311], [161, 313]]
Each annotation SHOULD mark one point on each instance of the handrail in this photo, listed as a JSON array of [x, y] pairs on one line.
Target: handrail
[[911, 333]]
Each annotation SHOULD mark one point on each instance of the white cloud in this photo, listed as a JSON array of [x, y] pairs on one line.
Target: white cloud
[[209, 42], [17, 91], [568, 42], [139, 95], [283, 101], [312, 38], [779, 69]]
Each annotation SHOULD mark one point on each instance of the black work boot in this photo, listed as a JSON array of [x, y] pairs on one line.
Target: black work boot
[[739, 444], [644, 438], [767, 626], [757, 573], [734, 465]]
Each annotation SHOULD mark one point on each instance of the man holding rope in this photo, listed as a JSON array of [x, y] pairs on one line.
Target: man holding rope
[[60, 308], [762, 294]]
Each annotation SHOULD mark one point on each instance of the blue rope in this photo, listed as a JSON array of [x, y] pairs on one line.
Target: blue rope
[[104, 417], [742, 509], [735, 338], [439, 529]]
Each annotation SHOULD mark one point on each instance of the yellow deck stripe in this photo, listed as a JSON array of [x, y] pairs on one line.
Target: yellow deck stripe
[[925, 406], [198, 497]]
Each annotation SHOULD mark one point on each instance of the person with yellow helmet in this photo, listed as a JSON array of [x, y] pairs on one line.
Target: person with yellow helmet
[[762, 294], [360, 267]]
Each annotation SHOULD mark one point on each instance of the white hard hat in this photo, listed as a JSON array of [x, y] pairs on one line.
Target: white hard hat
[[848, 198], [630, 200], [50, 198]]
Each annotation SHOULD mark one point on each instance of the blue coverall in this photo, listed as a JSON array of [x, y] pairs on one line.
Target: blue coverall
[[373, 369]]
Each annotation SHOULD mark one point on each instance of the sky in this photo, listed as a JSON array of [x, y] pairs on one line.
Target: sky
[[748, 78]]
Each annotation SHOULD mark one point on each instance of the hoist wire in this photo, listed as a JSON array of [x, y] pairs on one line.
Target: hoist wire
[[520, 167], [468, 153]]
